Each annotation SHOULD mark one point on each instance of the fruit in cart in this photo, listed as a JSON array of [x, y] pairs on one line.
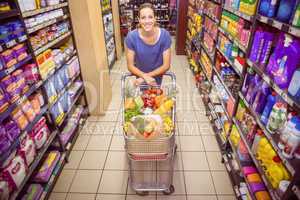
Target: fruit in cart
[[129, 103], [168, 125], [165, 107], [159, 100]]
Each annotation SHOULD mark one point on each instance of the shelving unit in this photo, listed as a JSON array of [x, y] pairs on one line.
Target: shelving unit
[[108, 26], [163, 13], [195, 48], [45, 111]]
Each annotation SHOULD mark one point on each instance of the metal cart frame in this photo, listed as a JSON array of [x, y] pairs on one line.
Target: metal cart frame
[[151, 162]]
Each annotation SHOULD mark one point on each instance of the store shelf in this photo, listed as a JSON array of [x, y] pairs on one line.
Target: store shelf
[[52, 43], [210, 55], [41, 26], [268, 185], [106, 11], [212, 18], [34, 165], [14, 105], [56, 172], [285, 96], [109, 38], [236, 42], [234, 178], [67, 114], [67, 59], [240, 166], [59, 95], [231, 63], [8, 14], [279, 25], [12, 43], [43, 10], [290, 164], [223, 83], [238, 13], [8, 71]]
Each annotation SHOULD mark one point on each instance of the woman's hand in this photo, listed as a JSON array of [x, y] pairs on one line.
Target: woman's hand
[[139, 81], [149, 80]]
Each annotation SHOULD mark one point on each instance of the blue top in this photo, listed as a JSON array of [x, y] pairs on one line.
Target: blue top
[[148, 57]]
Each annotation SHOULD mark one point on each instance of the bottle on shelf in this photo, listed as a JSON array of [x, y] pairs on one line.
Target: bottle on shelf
[[258, 136], [268, 108], [293, 141], [278, 117]]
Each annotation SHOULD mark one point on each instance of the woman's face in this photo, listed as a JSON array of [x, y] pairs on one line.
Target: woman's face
[[147, 19]]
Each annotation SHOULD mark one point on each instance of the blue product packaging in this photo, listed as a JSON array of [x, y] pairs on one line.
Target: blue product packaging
[[294, 87], [50, 89], [63, 76], [285, 10], [271, 100], [58, 83], [268, 7]]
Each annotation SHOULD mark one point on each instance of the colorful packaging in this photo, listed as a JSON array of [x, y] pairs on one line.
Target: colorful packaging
[[252, 90], [261, 98], [5, 141], [271, 100], [3, 101], [296, 20], [285, 10], [20, 118], [27, 150], [284, 60], [35, 103], [45, 172], [12, 130], [31, 74], [8, 58], [268, 7], [40, 133], [266, 48], [33, 192], [294, 87], [278, 117], [262, 195], [28, 110], [20, 52], [15, 172]]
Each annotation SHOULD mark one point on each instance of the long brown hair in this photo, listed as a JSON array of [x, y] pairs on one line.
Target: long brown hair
[[147, 5]]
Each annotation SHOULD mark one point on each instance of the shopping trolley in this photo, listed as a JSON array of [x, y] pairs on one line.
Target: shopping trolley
[[151, 162]]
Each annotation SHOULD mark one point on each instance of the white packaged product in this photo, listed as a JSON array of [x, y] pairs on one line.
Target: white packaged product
[[15, 172], [27, 150]]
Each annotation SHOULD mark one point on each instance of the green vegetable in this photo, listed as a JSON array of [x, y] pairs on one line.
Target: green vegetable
[[129, 113]]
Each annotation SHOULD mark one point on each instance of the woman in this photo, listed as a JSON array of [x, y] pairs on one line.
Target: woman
[[148, 48]]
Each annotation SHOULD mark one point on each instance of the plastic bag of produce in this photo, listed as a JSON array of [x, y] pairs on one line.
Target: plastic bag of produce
[[146, 127]]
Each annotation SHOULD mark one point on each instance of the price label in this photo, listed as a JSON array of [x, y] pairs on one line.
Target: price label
[[11, 43], [11, 69], [295, 31], [277, 24], [263, 19], [22, 38], [237, 190]]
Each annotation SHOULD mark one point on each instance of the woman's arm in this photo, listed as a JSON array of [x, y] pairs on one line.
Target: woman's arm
[[165, 66]]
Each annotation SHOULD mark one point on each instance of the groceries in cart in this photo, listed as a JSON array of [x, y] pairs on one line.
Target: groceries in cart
[[147, 112]]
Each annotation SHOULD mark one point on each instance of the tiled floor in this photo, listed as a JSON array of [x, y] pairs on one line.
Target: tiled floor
[[98, 167]]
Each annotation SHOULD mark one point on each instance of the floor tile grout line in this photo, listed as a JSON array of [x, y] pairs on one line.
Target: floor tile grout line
[[99, 184]]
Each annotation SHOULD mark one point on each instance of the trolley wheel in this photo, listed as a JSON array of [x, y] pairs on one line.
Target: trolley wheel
[[142, 193], [169, 191]]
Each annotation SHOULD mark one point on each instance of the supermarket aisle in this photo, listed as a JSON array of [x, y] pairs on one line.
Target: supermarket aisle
[[98, 167]]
